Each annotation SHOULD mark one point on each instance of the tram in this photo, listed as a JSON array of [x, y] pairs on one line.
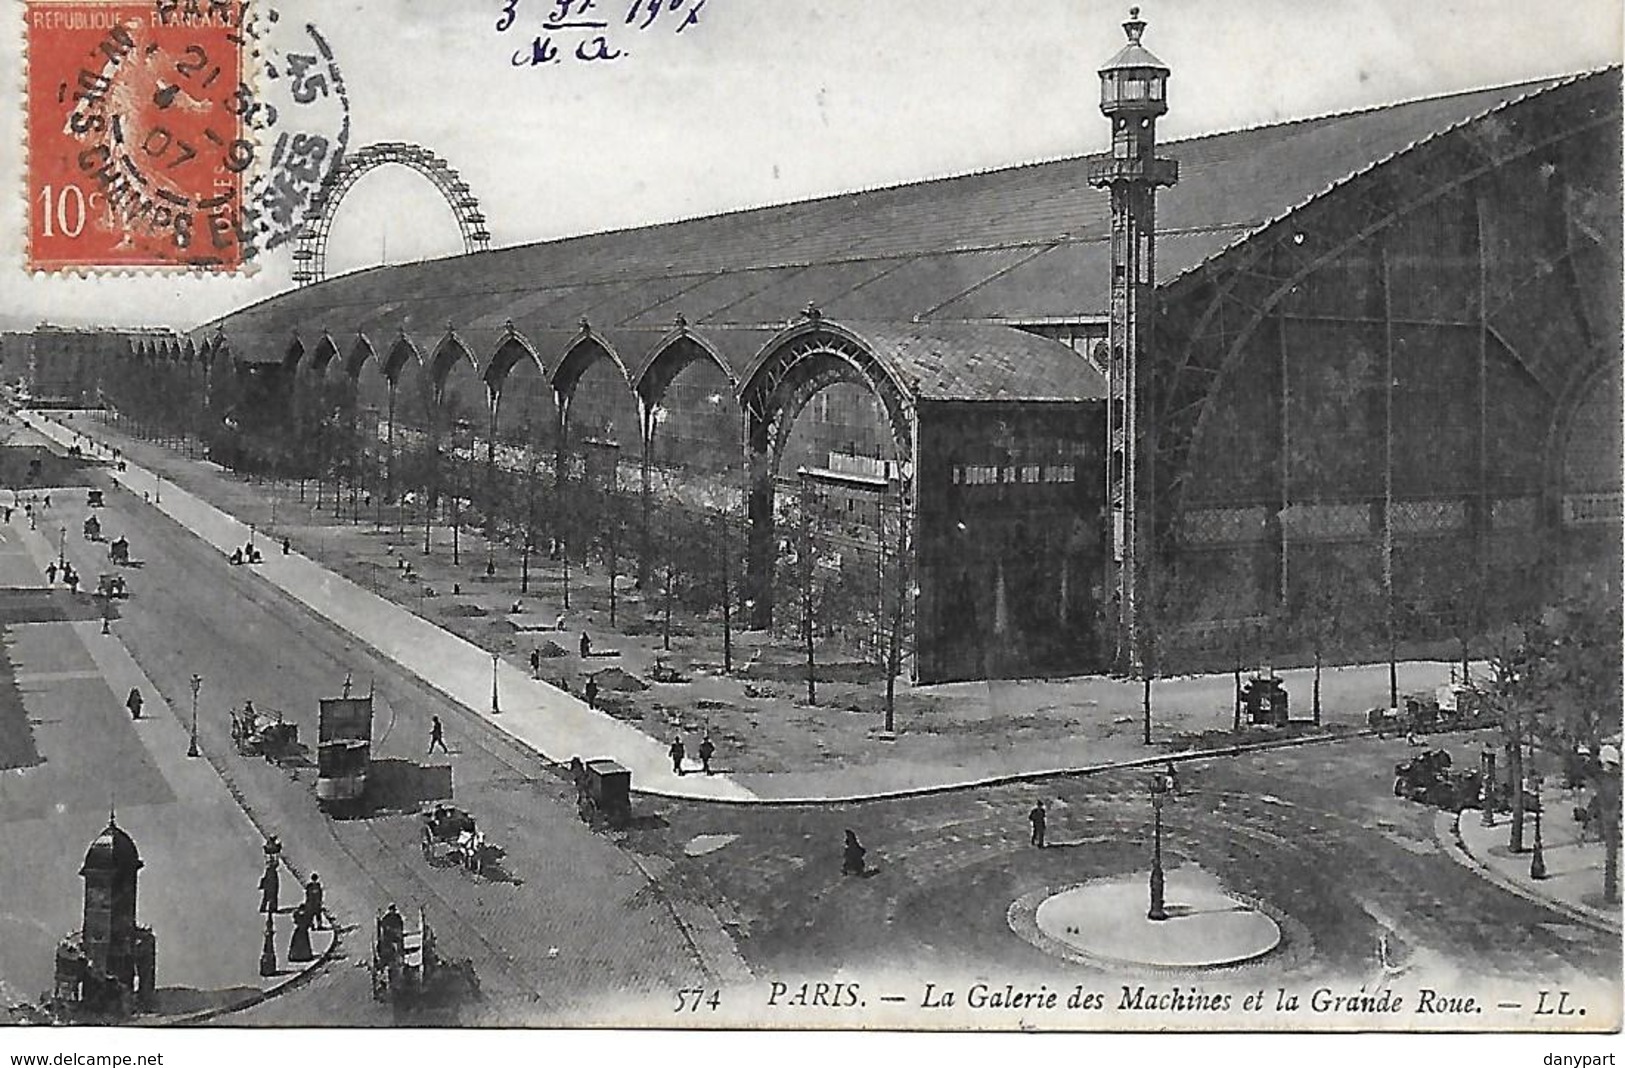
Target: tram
[[344, 751]]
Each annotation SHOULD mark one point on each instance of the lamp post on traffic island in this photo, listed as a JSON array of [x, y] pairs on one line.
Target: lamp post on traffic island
[[1537, 858], [1159, 791]]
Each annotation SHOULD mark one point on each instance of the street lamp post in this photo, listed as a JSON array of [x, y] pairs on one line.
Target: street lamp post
[[62, 547], [1486, 772], [1159, 790], [1537, 859], [495, 705], [197, 684]]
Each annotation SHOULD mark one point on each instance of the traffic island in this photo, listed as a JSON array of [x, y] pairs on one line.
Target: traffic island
[[1103, 922]]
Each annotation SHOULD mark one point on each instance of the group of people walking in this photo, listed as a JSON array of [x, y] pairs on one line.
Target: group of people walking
[[70, 577], [679, 752]]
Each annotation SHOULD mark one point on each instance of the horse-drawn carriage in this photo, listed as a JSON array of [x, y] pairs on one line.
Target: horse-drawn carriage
[[119, 552], [407, 968], [93, 529], [1453, 706], [111, 586], [258, 734], [449, 835], [1429, 779]]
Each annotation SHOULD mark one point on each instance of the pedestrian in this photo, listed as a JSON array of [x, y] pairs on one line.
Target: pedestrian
[[47, 500], [1170, 777], [133, 703], [8, 515], [586, 645], [852, 855], [707, 751], [287, 545], [535, 663], [313, 903], [269, 885], [592, 692], [559, 625], [1037, 817], [72, 579], [676, 752], [50, 572], [392, 935], [437, 735]]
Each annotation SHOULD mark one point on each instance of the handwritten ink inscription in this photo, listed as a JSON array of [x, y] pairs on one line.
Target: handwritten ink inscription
[[590, 31]]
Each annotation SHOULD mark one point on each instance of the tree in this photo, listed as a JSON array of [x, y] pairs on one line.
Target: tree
[[896, 605], [1555, 681], [1161, 611], [1327, 610]]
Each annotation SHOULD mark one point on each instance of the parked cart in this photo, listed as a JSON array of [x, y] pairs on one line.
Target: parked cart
[[406, 965]]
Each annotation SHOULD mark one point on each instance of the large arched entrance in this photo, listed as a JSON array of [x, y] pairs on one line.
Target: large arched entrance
[[865, 404]]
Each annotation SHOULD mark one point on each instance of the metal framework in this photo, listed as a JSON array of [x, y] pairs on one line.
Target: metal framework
[[1223, 314], [775, 392], [310, 254]]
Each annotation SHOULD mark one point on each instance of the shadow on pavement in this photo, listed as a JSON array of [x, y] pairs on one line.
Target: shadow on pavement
[[395, 785], [185, 1000]]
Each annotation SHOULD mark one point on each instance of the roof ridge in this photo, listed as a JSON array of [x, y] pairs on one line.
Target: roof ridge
[[1550, 81], [1546, 85]]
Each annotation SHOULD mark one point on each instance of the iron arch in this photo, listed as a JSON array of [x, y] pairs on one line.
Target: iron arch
[[294, 354], [450, 352], [587, 348], [672, 355], [310, 253], [1308, 240], [513, 348], [401, 355], [360, 352], [323, 355], [1594, 375], [799, 363]]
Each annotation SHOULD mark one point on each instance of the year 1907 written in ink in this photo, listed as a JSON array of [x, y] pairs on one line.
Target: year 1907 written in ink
[[589, 31]]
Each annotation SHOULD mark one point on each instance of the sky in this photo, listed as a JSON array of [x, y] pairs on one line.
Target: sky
[[765, 101]]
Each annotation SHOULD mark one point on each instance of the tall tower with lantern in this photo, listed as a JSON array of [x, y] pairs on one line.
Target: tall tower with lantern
[[1133, 95]]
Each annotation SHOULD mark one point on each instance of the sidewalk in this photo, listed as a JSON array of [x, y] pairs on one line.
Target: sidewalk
[[553, 723], [958, 735], [1574, 869], [200, 851]]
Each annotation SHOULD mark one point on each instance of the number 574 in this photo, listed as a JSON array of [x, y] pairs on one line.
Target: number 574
[[690, 999]]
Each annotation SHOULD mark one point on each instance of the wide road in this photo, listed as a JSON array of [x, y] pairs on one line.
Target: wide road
[[567, 928], [1364, 892]]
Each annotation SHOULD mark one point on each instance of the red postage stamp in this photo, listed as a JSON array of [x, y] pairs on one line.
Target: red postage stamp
[[137, 149]]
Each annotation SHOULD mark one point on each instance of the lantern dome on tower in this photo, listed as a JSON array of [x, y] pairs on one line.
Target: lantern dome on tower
[[113, 850], [1134, 54], [1134, 79]]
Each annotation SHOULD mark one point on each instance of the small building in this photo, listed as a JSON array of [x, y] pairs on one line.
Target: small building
[[109, 966]]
